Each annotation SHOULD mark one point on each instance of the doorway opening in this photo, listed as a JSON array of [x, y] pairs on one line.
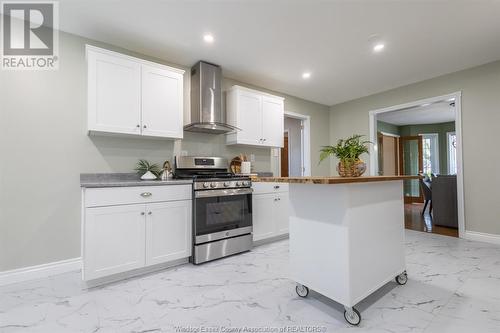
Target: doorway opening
[[294, 159], [422, 139]]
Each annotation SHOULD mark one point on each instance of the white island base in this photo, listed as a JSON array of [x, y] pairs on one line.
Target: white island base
[[346, 240]]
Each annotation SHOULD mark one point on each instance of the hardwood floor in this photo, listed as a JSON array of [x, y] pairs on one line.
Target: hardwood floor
[[414, 220]]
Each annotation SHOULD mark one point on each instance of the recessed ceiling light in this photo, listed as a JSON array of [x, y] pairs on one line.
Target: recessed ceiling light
[[208, 38], [306, 75], [378, 47]]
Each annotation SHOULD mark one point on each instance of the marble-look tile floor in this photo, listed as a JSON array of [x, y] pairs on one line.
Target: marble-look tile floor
[[454, 286]]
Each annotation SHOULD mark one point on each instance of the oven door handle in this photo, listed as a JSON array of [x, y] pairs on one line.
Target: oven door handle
[[222, 192]]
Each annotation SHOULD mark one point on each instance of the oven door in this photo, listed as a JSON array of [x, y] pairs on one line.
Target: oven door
[[222, 213]]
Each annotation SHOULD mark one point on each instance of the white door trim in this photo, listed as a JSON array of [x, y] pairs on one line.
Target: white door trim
[[306, 144], [458, 130]]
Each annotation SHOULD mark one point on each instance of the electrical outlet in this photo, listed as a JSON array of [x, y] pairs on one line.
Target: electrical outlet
[[252, 157], [184, 153]]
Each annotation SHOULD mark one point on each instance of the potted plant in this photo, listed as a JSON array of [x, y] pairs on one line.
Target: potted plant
[[147, 170], [348, 152]]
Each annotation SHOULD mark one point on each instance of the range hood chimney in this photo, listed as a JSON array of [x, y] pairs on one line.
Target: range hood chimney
[[206, 100]]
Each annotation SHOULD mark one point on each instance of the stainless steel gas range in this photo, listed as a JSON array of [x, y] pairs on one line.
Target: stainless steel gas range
[[222, 207]]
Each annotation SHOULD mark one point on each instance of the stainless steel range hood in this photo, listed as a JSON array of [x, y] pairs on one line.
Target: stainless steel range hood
[[206, 100]]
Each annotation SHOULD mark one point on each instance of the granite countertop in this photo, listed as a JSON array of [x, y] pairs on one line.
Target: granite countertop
[[330, 180], [95, 180]]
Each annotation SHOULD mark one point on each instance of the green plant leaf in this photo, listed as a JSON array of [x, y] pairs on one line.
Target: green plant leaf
[[348, 149], [144, 166]]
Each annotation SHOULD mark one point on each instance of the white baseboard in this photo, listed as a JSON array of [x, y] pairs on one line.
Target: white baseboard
[[40, 271], [482, 237]]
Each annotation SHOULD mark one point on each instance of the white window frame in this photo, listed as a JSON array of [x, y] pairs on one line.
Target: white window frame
[[435, 160], [448, 134]]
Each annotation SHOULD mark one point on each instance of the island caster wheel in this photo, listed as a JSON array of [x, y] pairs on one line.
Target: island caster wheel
[[301, 290], [402, 278], [352, 316]]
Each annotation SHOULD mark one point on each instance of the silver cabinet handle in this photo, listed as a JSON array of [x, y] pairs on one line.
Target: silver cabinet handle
[[149, 213], [144, 126], [146, 194], [142, 213], [138, 126]]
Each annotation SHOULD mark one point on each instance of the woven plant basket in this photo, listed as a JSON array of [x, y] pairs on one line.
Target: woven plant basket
[[351, 168]]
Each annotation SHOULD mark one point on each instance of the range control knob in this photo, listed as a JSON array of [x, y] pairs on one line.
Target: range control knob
[[226, 184], [206, 185], [212, 185], [238, 183]]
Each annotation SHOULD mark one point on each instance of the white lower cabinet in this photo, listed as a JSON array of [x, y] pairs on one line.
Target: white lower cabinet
[[168, 231], [122, 237], [114, 240], [263, 226], [270, 212], [281, 213]]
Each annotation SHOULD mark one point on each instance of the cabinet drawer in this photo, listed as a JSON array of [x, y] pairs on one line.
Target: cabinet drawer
[[95, 197], [261, 188]]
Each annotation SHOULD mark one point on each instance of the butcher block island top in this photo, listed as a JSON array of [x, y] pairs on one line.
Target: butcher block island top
[[330, 180]]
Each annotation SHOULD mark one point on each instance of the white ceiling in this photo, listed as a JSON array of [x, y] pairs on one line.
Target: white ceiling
[[271, 43], [430, 114]]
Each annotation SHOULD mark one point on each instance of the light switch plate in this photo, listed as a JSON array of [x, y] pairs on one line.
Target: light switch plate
[[252, 157]]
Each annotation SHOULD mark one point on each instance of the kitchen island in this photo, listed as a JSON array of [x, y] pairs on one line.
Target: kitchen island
[[346, 236]]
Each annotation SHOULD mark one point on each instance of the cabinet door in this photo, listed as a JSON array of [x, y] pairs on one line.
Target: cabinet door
[[114, 94], [168, 231], [262, 210], [162, 102], [281, 213], [113, 240], [272, 121], [249, 118]]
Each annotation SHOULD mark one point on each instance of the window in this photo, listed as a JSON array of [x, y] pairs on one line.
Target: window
[[430, 152], [452, 153]]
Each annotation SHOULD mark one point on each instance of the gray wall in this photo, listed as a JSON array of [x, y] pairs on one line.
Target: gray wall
[[480, 88], [319, 115], [387, 128], [44, 147]]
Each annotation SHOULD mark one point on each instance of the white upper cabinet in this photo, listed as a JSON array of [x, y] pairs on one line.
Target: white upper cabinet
[[258, 115], [114, 94], [127, 95], [162, 96], [273, 121]]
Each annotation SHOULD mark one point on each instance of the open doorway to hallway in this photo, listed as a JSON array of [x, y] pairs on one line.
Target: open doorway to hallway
[[294, 157], [421, 140]]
